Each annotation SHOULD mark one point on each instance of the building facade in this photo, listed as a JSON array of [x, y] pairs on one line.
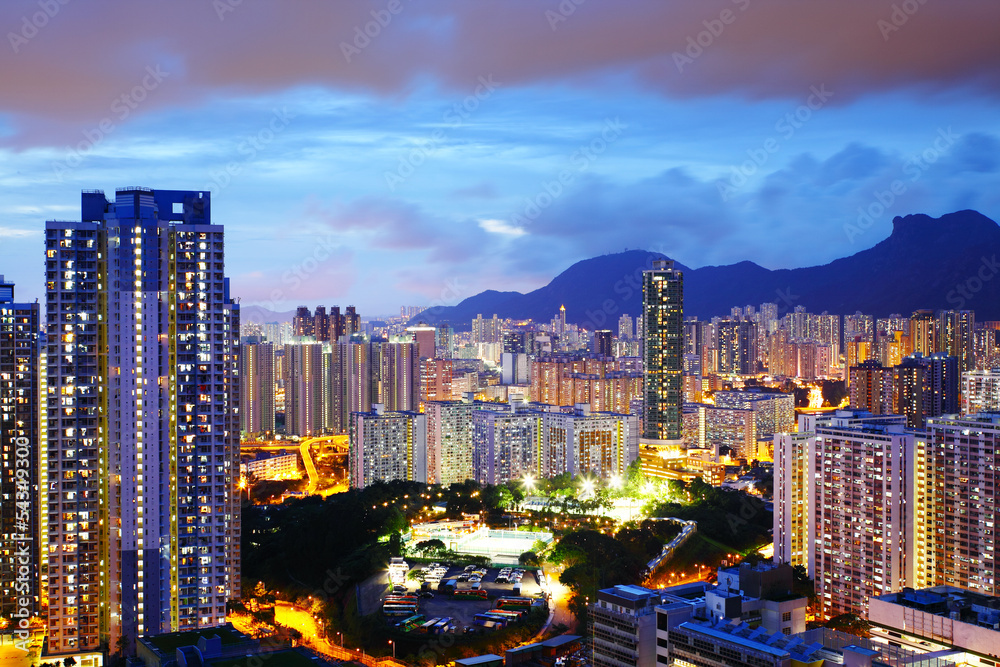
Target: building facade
[[20, 378], [387, 446], [663, 347], [142, 437]]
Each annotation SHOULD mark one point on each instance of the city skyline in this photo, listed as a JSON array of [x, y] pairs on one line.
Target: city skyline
[[648, 110]]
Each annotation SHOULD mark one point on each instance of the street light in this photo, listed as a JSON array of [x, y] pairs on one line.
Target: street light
[[529, 482], [393, 649], [341, 640]]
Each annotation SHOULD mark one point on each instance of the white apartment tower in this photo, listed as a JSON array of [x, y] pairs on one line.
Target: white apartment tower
[[141, 448]]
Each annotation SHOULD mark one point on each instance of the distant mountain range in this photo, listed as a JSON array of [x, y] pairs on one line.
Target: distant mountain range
[[949, 262]]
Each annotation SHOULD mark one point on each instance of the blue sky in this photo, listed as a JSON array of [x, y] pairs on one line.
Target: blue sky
[[476, 145]]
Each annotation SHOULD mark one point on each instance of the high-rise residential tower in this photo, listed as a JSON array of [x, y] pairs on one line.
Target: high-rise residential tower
[[257, 411], [142, 438], [663, 325], [19, 447]]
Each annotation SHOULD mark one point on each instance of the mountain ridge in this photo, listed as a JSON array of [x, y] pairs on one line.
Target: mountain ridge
[[939, 263]]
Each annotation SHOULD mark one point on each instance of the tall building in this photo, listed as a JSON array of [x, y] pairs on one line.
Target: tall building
[[793, 497], [19, 447], [737, 345], [603, 343], [387, 446], [600, 444], [505, 442], [981, 391], [143, 526], [624, 626], [449, 441], [925, 387], [955, 509], [321, 324], [257, 410], [857, 469], [774, 412], [626, 330], [486, 331], [436, 380], [426, 339], [303, 322], [303, 379], [955, 336], [663, 318], [352, 322], [923, 332], [871, 388]]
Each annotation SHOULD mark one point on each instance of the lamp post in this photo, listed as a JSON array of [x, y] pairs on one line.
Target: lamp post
[[393, 649], [341, 639]]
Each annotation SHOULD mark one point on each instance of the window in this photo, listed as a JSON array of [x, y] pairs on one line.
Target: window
[[787, 616], [786, 631]]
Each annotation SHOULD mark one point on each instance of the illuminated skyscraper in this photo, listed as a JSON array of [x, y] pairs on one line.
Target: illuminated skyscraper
[[143, 526], [663, 326], [19, 449], [258, 393], [387, 446], [955, 506]]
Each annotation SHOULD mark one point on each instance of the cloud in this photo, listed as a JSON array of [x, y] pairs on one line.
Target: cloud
[[793, 216], [502, 227], [12, 233], [770, 49]]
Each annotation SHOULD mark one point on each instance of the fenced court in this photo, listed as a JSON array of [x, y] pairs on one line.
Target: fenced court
[[502, 546]]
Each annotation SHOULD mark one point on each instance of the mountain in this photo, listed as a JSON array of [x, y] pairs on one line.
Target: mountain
[[262, 315], [948, 262]]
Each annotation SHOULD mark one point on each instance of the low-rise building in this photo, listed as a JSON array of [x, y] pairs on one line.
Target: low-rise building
[[624, 627], [943, 620]]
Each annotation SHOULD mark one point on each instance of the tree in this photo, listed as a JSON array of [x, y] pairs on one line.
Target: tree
[[851, 624], [529, 558], [427, 547], [69, 662]]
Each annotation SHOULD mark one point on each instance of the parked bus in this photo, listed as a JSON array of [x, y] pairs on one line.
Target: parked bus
[[394, 606], [487, 621], [409, 623], [472, 595], [426, 627], [441, 626], [401, 598], [506, 613], [514, 602]]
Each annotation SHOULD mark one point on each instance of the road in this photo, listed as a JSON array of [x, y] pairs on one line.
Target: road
[[310, 467], [291, 616]]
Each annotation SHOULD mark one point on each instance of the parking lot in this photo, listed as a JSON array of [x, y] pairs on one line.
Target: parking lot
[[437, 603]]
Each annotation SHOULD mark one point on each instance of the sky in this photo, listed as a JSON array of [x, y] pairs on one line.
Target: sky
[[397, 152]]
